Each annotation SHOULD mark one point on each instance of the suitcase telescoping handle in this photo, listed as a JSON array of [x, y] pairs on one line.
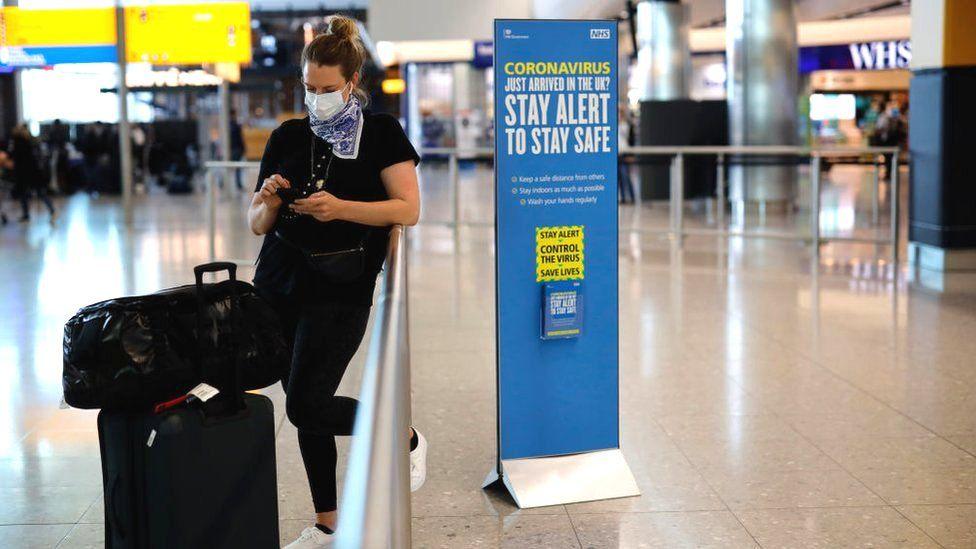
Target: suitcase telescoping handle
[[231, 268], [215, 267]]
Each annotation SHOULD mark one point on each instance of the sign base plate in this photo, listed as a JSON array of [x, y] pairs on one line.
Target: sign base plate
[[556, 480]]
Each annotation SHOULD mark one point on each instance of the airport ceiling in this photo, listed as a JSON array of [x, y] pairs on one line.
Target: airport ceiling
[[707, 13], [704, 13], [310, 4]]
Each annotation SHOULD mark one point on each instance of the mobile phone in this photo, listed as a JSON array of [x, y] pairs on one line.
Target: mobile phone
[[289, 195]]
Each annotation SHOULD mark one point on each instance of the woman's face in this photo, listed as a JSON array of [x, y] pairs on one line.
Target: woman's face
[[327, 78]]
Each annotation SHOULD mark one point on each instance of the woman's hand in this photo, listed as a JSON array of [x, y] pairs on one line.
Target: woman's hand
[[269, 191], [322, 206]]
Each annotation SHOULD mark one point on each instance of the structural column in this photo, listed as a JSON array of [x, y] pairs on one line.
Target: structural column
[[663, 55], [762, 88], [663, 71], [942, 207], [10, 104]]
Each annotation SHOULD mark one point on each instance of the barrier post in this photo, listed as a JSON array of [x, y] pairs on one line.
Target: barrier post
[[678, 196], [453, 177], [815, 206], [671, 191], [720, 192], [212, 213], [894, 196], [874, 190]]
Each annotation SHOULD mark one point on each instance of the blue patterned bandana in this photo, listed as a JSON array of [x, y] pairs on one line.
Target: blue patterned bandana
[[342, 130]]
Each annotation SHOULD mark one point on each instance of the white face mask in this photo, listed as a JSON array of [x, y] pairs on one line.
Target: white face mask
[[324, 105]]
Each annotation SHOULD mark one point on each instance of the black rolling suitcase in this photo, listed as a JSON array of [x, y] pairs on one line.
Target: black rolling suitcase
[[199, 476]]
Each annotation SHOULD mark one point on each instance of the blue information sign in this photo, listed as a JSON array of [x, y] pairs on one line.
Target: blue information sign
[[43, 56], [556, 221]]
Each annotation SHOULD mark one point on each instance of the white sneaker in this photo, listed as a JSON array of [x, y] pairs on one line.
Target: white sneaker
[[311, 538], [418, 463]]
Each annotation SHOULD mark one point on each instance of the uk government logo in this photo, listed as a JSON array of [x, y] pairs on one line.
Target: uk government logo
[[512, 36], [599, 34]]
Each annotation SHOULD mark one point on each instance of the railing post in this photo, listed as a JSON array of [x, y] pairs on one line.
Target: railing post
[[874, 191], [677, 197], [815, 207], [720, 192], [671, 194], [894, 196], [211, 212], [453, 177]]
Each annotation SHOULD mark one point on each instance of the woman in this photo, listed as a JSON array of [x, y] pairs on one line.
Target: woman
[[26, 171], [354, 175]]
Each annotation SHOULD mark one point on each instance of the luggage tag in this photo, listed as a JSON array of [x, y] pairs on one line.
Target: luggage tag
[[204, 392], [201, 392]]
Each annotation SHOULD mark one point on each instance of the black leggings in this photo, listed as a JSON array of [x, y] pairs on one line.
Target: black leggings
[[324, 338]]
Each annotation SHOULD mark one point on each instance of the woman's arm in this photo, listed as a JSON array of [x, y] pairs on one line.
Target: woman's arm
[[402, 208], [265, 203]]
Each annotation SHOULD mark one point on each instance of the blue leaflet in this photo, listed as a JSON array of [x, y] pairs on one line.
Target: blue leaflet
[[562, 309]]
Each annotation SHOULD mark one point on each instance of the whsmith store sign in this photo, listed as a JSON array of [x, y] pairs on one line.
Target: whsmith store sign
[[895, 54]]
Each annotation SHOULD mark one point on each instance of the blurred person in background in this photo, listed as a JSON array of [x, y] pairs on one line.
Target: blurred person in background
[[27, 173], [139, 151], [57, 147], [625, 184], [236, 145], [890, 131], [94, 146], [5, 184]]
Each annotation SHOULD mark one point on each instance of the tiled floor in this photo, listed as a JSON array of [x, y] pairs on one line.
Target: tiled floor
[[765, 401]]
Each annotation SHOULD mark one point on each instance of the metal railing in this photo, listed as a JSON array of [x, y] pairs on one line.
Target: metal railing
[[677, 229], [453, 154], [375, 500]]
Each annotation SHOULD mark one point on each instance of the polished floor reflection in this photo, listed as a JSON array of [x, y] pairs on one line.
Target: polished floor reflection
[[766, 401]]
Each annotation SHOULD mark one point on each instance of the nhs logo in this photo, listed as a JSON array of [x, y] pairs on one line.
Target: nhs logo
[[599, 34]]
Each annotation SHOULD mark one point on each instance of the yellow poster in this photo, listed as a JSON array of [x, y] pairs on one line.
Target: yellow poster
[[559, 253], [189, 34]]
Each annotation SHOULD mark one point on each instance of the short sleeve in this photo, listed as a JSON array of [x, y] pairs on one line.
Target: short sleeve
[[394, 147], [268, 160]]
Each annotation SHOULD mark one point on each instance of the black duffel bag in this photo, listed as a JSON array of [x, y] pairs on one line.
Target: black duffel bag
[[133, 352]]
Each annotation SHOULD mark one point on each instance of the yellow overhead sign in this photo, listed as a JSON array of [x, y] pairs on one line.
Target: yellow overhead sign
[[172, 34], [189, 34], [79, 27]]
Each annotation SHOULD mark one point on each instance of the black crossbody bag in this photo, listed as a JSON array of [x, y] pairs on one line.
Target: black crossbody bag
[[339, 265]]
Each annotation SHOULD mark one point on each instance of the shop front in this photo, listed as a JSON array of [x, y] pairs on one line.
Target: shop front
[[851, 88], [845, 88], [448, 102]]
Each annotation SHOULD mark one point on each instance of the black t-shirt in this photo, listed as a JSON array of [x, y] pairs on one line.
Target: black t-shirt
[[282, 269]]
